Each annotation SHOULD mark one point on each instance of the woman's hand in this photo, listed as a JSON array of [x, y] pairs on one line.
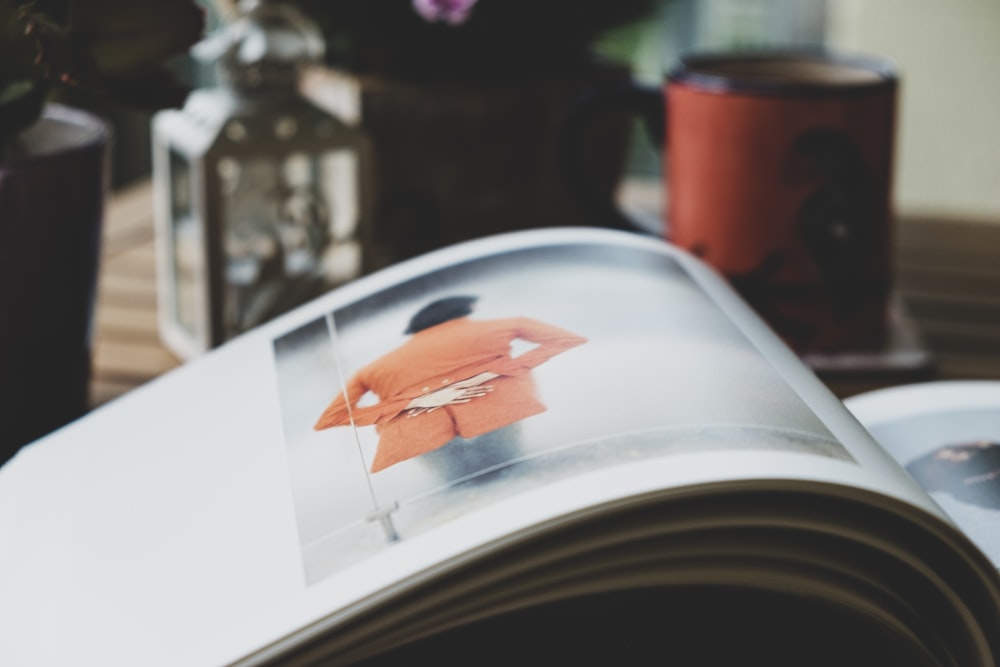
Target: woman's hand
[[456, 393]]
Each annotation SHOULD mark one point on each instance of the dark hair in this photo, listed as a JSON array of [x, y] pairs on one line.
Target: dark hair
[[439, 311]]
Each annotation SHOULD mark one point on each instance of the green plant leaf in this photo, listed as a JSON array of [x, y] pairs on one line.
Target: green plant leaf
[[21, 104], [13, 91], [122, 38], [155, 88], [23, 88]]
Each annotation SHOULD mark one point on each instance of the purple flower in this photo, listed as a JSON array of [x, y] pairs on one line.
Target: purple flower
[[452, 12]]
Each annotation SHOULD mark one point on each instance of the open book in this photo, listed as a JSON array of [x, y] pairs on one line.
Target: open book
[[551, 447], [947, 436]]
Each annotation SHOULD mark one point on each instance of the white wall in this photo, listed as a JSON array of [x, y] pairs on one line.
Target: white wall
[[948, 53]]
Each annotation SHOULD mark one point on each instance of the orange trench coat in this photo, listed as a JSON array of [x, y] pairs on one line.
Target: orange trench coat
[[439, 356]]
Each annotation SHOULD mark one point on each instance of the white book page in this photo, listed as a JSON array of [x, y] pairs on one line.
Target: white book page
[[204, 515], [153, 521]]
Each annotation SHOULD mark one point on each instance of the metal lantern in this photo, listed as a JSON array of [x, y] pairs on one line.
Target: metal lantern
[[260, 196]]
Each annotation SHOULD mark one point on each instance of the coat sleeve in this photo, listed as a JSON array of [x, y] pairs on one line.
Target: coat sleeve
[[343, 410], [550, 341], [338, 412]]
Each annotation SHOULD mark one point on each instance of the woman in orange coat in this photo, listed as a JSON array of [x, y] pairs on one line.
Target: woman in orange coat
[[455, 377]]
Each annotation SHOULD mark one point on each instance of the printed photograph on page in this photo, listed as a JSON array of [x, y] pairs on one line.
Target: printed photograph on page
[[951, 450], [468, 384]]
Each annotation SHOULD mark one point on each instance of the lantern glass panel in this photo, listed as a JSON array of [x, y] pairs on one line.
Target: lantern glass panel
[[186, 246], [289, 231]]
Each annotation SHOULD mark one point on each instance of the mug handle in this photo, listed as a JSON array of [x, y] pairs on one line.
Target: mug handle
[[633, 99]]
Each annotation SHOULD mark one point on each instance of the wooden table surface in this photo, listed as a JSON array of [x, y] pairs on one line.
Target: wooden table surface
[[948, 276], [127, 348]]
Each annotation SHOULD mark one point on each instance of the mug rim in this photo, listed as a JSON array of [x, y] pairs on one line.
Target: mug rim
[[689, 71]]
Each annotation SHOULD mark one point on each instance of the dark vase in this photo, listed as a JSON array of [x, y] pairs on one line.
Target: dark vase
[[51, 208], [454, 161]]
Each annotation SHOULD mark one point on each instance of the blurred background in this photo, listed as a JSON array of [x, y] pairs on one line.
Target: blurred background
[[947, 177], [947, 54]]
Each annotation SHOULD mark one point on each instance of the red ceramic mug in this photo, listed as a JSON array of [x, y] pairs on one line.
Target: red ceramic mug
[[778, 171]]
